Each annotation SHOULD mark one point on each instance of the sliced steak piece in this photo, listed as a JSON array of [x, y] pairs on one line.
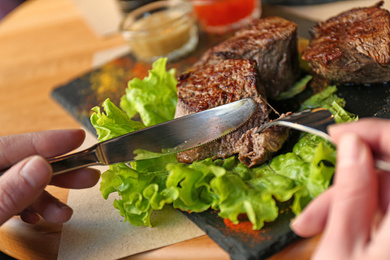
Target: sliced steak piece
[[223, 82], [353, 47], [254, 148], [272, 43]]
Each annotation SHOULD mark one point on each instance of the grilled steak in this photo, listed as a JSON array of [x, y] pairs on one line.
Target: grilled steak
[[353, 47], [223, 82], [272, 43]]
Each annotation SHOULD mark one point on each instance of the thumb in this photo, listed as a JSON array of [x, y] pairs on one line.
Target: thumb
[[21, 185]]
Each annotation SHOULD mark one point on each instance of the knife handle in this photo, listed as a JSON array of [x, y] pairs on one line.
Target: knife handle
[[74, 161]]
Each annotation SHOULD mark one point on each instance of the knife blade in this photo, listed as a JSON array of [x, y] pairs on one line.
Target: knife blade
[[173, 136]]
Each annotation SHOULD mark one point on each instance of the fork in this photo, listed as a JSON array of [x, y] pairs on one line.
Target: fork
[[315, 121]]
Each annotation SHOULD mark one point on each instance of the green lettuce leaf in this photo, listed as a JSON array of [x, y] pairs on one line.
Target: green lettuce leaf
[[329, 100], [113, 123], [225, 185], [236, 197], [154, 98], [323, 99], [193, 185], [297, 88], [141, 188]]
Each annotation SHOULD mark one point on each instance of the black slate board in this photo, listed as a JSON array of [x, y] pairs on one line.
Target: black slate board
[[240, 241], [110, 81]]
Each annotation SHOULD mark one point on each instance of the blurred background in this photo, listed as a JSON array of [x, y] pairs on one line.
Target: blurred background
[[6, 6], [106, 17]]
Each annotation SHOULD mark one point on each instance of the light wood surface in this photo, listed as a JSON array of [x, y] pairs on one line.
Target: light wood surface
[[44, 44]]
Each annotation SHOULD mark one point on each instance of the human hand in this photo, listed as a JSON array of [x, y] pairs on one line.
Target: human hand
[[22, 187], [347, 213]]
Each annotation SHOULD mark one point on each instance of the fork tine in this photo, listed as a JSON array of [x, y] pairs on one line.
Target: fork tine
[[318, 118]]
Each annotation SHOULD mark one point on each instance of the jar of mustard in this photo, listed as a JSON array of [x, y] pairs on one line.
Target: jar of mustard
[[161, 29]]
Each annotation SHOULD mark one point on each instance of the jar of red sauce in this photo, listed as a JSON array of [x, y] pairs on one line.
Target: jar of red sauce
[[221, 16]]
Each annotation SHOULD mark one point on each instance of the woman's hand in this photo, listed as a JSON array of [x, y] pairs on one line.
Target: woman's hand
[[22, 187], [347, 213]]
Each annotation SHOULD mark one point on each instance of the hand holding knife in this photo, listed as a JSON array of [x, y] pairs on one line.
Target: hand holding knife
[[174, 136]]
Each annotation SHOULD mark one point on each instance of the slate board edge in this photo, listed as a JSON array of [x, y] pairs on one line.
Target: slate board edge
[[57, 95], [236, 250]]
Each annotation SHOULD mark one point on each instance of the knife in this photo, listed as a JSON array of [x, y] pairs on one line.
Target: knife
[[173, 136]]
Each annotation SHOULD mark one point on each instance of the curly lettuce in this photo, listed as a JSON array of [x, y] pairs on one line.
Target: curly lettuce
[[225, 185], [113, 123], [154, 98], [329, 100]]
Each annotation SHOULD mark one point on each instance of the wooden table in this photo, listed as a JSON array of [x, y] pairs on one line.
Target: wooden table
[[44, 44]]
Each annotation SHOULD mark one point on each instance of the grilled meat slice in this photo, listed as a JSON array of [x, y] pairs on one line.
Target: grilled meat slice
[[221, 83], [353, 47], [272, 43], [255, 148]]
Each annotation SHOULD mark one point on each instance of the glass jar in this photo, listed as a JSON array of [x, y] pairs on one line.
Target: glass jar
[[129, 5], [221, 16], [161, 29]]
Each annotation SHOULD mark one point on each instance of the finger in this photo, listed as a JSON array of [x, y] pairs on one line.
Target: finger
[[355, 199], [78, 179], [22, 185], [29, 216], [47, 143], [379, 244], [373, 131], [313, 219], [51, 209]]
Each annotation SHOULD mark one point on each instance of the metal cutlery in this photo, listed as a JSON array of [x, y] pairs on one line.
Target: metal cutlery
[[173, 136], [315, 121]]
